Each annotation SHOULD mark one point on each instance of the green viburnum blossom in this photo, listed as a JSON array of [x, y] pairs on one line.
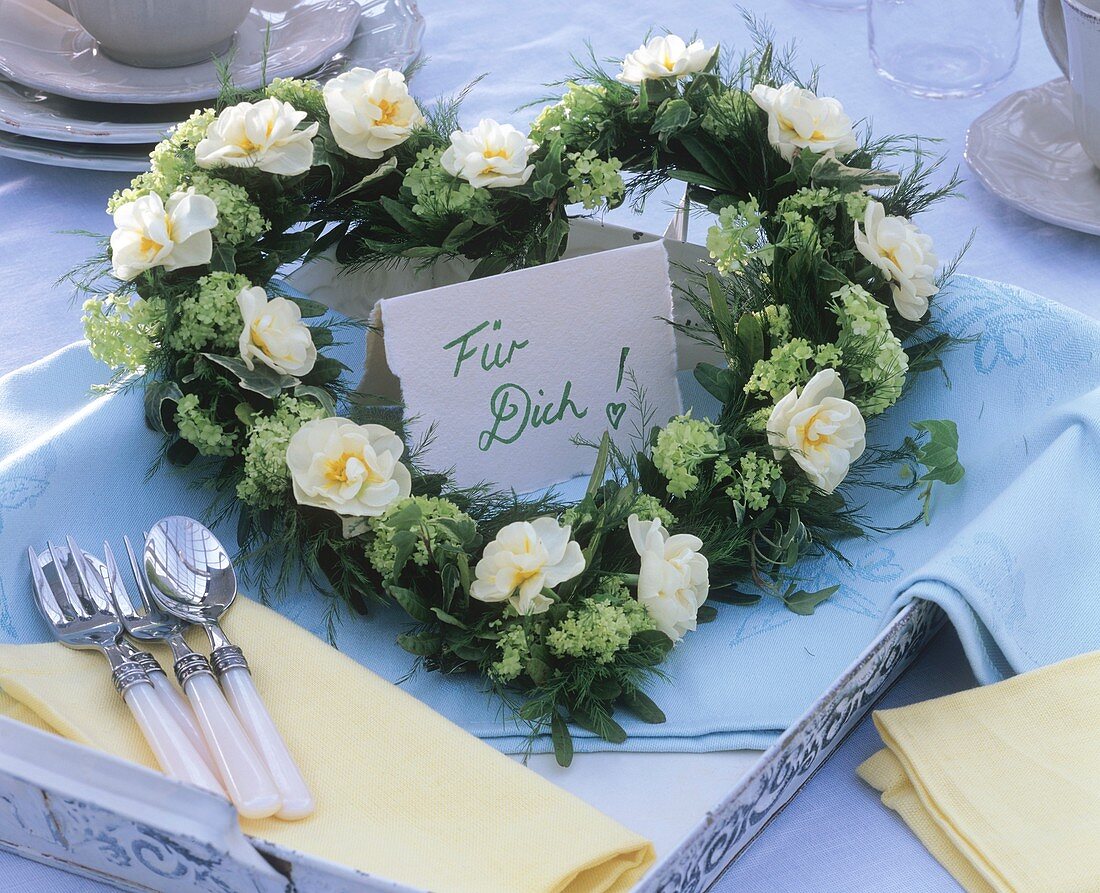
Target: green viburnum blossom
[[810, 201], [198, 427], [578, 117], [593, 181], [239, 220], [649, 508], [305, 95], [753, 479], [440, 196], [266, 477], [682, 445], [788, 366], [514, 651], [121, 334], [170, 163], [600, 627], [874, 352], [736, 236], [776, 318], [381, 551], [210, 318], [725, 112]]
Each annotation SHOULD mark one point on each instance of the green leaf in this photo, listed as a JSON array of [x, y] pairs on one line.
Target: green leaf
[[181, 452], [722, 384], [448, 618], [673, 115], [319, 395], [386, 167], [322, 336], [803, 602], [260, 380], [325, 370], [828, 171], [469, 651], [310, 309], [750, 337], [599, 723], [160, 400], [405, 218], [411, 603], [733, 597], [695, 179], [940, 454], [642, 706], [422, 644], [223, 258], [605, 688], [723, 321], [706, 614], [539, 670], [563, 740], [489, 266]]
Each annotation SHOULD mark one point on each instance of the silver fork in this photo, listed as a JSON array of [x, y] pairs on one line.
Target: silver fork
[[247, 781], [142, 623], [82, 617]]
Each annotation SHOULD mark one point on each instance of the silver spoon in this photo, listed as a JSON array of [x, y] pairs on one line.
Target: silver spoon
[[192, 577]]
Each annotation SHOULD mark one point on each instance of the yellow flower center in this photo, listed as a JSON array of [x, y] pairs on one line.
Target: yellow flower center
[[811, 437], [520, 577], [150, 246], [668, 62], [388, 112], [336, 470], [494, 153]]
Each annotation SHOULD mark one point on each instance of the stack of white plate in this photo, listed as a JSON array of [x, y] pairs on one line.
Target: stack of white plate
[[64, 102]]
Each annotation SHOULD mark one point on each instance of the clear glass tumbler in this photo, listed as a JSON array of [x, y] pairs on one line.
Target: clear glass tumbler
[[944, 48]]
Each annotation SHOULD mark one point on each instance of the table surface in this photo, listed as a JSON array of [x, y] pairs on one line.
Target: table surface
[[522, 47]]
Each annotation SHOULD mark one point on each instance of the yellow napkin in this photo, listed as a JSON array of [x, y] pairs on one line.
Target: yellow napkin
[[1002, 784], [401, 792]]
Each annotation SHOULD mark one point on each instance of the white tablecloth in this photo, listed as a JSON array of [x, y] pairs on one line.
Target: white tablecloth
[[523, 46]]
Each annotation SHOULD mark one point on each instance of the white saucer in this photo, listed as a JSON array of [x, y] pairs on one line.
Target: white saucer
[[42, 47], [132, 159], [1025, 150]]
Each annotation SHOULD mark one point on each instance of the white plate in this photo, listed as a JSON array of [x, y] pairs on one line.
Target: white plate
[[1025, 150], [389, 33], [88, 157], [42, 47]]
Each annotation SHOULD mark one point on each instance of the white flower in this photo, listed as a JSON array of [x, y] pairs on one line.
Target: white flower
[[274, 333], [674, 578], [797, 119], [149, 234], [904, 254], [260, 135], [348, 468], [490, 155], [665, 57], [820, 429], [370, 111], [525, 558]]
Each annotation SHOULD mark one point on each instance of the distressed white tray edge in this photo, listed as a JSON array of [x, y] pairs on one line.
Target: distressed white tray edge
[[92, 814], [708, 850]]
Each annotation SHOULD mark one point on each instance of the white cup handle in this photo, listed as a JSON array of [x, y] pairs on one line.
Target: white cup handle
[[1053, 24]]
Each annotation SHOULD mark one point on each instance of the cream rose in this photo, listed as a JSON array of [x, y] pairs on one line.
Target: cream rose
[[674, 578], [274, 333], [491, 155], [525, 558], [150, 234], [904, 254], [262, 135], [370, 111], [665, 57], [348, 468], [798, 119], [822, 431]]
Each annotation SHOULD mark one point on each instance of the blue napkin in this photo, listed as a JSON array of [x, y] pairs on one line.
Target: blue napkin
[[1009, 553]]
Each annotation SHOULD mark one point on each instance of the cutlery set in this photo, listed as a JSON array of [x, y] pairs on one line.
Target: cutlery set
[[219, 737]]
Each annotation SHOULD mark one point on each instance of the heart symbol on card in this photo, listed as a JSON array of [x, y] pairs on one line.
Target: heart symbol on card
[[615, 413]]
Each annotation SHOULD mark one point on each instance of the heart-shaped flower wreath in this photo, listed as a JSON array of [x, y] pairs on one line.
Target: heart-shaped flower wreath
[[818, 300]]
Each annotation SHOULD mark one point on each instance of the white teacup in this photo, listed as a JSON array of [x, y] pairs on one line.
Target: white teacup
[[159, 33], [1072, 32]]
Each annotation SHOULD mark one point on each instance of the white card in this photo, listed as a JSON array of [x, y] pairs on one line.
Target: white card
[[511, 368]]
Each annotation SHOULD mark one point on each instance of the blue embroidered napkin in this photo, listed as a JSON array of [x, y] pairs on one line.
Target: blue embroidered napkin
[[1010, 553]]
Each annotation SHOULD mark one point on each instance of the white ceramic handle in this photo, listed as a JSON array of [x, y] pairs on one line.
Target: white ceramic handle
[[240, 691], [176, 704], [1052, 21], [246, 779], [173, 750]]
